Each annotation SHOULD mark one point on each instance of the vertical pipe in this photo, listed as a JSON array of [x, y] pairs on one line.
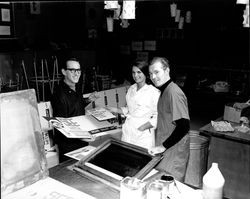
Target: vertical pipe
[[47, 70], [53, 76], [37, 88], [43, 80], [25, 74]]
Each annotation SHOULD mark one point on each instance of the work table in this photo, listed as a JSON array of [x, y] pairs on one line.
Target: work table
[[236, 136], [231, 150]]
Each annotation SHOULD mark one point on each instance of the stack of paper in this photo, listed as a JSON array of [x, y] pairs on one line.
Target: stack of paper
[[101, 114], [83, 126]]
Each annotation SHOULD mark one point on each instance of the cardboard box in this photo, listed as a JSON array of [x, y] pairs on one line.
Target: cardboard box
[[52, 159], [232, 114]]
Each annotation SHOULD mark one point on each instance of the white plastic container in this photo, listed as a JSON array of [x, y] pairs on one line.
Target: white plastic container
[[213, 182]]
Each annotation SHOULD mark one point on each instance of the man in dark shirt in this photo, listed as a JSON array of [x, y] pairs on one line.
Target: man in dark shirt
[[67, 101]]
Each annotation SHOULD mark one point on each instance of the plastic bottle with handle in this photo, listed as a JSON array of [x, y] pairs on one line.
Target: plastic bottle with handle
[[213, 183]]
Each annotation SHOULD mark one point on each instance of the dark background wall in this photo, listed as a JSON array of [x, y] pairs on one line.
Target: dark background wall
[[214, 39], [59, 22], [215, 36]]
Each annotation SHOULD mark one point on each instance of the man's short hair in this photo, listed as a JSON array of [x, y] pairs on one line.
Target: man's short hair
[[69, 59], [164, 61]]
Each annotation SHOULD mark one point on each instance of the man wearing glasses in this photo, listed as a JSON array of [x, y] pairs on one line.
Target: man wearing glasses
[[67, 101]]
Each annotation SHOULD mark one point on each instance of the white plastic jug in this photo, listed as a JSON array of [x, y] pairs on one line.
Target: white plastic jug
[[213, 182]]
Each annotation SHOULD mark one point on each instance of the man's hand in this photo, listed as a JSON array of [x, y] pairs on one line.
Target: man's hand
[[145, 126], [93, 96], [156, 150], [141, 128]]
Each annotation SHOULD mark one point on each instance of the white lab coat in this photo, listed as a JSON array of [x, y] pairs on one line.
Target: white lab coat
[[141, 108]]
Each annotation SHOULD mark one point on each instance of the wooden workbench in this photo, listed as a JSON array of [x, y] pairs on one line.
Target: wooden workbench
[[65, 174], [231, 150]]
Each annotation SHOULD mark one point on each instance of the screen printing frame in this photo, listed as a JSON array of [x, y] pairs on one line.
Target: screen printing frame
[[21, 141], [96, 173]]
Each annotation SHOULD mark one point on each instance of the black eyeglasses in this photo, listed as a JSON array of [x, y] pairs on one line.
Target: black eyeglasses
[[72, 70]]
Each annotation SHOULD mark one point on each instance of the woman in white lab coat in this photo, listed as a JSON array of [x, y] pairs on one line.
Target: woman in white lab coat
[[141, 109]]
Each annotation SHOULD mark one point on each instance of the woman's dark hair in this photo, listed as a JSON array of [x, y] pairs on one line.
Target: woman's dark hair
[[143, 66]]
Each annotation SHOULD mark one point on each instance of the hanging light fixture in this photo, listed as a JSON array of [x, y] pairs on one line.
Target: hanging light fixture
[[173, 8], [111, 5], [125, 12], [242, 2], [188, 17], [245, 13], [128, 10]]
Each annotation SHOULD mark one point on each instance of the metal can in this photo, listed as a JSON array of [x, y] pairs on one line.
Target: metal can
[[168, 182]]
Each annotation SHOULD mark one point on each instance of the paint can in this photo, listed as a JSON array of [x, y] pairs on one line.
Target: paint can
[[168, 182]]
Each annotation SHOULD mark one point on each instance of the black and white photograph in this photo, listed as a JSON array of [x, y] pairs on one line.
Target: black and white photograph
[[125, 99]]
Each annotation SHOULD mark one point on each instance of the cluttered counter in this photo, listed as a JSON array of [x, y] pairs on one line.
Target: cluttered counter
[[236, 136], [231, 150]]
